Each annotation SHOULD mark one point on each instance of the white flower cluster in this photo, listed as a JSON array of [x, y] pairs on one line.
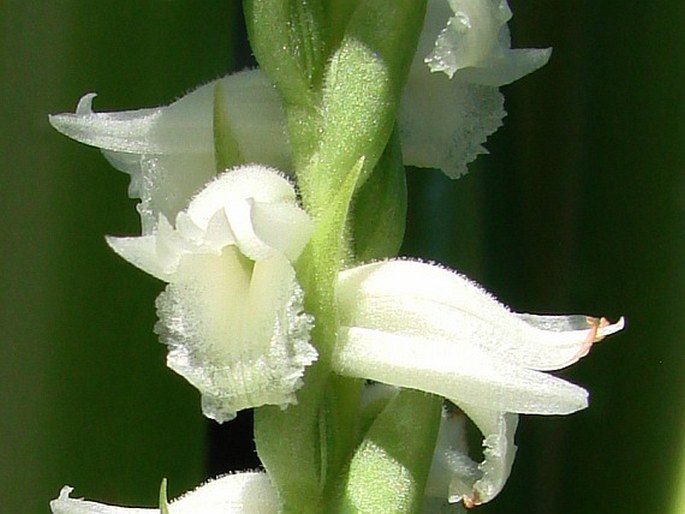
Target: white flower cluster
[[232, 312]]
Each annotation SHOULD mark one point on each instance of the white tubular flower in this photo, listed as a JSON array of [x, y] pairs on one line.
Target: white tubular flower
[[169, 151], [232, 314], [475, 45], [419, 326], [241, 493], [451, 103]]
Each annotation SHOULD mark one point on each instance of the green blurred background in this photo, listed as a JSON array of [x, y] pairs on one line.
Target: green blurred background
[[580, 208]]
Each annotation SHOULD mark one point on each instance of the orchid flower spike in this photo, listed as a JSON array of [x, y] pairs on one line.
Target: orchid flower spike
[[232, 314], [241, 493], [424, 327], [169, 151], [451, 103]]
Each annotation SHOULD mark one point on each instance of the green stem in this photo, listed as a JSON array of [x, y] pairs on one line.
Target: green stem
[[339, 123]]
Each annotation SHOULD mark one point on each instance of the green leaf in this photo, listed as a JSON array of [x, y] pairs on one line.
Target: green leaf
[[389, 469], [380, 208]]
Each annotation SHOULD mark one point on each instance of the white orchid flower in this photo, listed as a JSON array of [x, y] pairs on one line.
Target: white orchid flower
[[241, 493], [451, 103], [419, 326], [169, 151], [232, 314]]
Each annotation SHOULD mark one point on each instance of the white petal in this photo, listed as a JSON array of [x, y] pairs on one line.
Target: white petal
[[461, 373], [451, 468], [253, 181], [242, 493], [185, 126], [158, 254], [125, 131], [283, 226], [474, 46], [426, 301], [454, 475], [498, 429], [236, 331], [261, 209]]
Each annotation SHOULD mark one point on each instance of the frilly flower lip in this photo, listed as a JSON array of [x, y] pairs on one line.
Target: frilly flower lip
[[169, 151], [451, 103], [232, 313], [241, 493], [419, 326]]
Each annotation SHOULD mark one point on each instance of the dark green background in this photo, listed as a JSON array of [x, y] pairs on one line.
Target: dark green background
[[580, 208]]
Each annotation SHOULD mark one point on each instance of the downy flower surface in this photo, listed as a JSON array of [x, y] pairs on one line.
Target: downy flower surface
[[450, 105], [419, 326], [232, 313], [451, 102], [241, 493], [169, 151]]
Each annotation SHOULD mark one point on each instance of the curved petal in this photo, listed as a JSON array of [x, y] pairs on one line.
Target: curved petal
[[261, 209], [454, 475], [452, 469], [284, 226], [252, 181], [427, 301], [241, 493], [459, 372], [475, 45], [499, 450]]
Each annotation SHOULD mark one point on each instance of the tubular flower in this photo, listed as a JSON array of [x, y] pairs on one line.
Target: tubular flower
[[419, 326], [449, 106], [451, 103], [169, 151], [232, 313], [242, 493]]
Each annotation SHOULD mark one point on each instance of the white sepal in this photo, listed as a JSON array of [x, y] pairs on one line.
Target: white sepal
[[169, 151], [232, 313], [241, 493]]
